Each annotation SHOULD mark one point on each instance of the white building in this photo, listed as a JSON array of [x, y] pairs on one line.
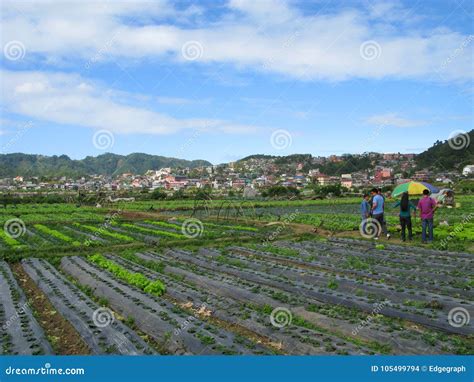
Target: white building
[[468, 170]]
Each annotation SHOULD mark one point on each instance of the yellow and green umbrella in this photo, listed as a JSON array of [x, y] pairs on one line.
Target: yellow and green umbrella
[[413, 188]]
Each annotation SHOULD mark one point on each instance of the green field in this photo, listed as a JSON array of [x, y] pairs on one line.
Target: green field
[[233, 277]]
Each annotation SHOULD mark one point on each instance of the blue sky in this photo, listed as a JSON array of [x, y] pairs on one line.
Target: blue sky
[[219, 80]]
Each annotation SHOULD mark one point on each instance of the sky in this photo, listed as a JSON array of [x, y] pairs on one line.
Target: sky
[[220, 80]]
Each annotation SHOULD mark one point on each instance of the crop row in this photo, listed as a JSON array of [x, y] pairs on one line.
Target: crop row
[[307, 311], [100, 331], [136, 279], [21, 333], [160, 319]]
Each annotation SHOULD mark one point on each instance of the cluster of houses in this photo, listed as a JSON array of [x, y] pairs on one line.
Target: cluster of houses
[[253, 173]]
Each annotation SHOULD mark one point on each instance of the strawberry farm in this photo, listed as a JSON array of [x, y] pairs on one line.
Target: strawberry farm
[[282, 277]]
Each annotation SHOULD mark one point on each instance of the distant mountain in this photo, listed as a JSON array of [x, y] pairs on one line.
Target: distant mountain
[[107, 164], [257, 156], [452, 155], [449, 155]]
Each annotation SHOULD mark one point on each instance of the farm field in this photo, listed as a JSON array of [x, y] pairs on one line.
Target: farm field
[[295, 279]]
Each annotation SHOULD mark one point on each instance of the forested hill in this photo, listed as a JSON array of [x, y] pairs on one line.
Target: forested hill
[[449, 155], [107, 164]]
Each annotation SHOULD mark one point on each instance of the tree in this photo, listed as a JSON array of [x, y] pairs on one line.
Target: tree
[[158, 194], [280, 191], [330, 189], [179, 194]]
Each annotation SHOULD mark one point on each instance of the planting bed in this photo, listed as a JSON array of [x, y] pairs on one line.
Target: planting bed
[[236, 307], [336, 290], [159, 318], [329, 312], [21, 333], [109, 337]]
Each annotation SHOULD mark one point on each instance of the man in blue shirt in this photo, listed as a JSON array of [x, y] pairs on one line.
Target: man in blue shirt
[[378, 207]]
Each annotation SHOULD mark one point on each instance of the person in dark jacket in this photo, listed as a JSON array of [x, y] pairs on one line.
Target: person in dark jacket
[[405, 215]]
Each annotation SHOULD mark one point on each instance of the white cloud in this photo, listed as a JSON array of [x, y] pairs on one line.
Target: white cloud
[[269, 36], [394, 120], [70, 99]]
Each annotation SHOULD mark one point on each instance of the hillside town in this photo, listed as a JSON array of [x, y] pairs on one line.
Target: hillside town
[[252, 173]]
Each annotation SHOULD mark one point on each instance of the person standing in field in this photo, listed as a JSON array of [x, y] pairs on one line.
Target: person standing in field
[[405, 215], [427, 207], [365, 208], [378, 207]]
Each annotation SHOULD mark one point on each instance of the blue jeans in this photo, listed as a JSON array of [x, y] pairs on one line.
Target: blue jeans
[[427, 225]]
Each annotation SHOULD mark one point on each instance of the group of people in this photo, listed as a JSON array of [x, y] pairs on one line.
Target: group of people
[[373, 206]]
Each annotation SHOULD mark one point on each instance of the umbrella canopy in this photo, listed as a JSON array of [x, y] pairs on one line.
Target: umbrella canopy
[[430, 187], [413, 188]]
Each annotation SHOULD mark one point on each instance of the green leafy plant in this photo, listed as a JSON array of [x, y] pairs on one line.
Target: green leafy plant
[[136, 279]]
